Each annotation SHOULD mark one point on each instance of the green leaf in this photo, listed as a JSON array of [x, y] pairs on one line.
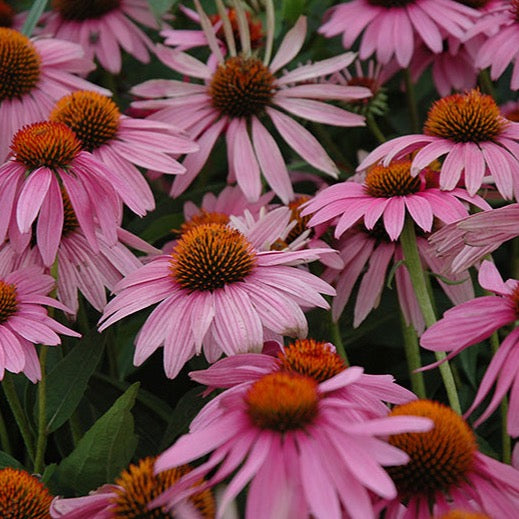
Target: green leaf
[[162, 227], [159, 7], [67, 382], [105, 449], [9, 461], [293, 9], [34, 15]]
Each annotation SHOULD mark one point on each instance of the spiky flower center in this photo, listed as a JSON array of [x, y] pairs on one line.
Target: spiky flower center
[[462, 514], [22, 496], [8, 301], [6, 14], [140, 486], [203, 217], [393, 180], [470, 117], [70, 221], [241, 87], [93, 117], [19, 64], [315, 359], [301, 221], [391, 3], [255, 28], [439, 459], [282, 401], [45, 144], [84, 9], [211, 256]]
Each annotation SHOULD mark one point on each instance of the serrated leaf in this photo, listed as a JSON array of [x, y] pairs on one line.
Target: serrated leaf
[[104, 450], [67, 382], [8, 461]]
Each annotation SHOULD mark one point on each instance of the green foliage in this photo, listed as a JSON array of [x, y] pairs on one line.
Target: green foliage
[[9, 461]]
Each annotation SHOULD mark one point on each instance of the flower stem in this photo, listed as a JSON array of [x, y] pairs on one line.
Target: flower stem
[[18, 413], [337, 340], [412, 353], [374, 128], [41, 440], [411, 101], [416, 273]]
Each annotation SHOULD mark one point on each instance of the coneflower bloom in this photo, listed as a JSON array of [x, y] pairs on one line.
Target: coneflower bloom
[[301, 449], [131, 496], [24, 321], [23, 495], [476, 320], [218, 290], [474, 137], [47, 157], [122, 143], [446, 470], [35, 74], [389, 191], [391, 28], [103, 28], [236, 95]]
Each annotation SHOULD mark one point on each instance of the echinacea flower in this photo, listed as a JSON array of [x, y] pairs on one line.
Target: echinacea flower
[[301, 449], [35, 74], [131, 496], [389, 191], [103, 28], [446, 470], [475, 139], [23, 495], [122, 142], [24, 321], [218, 290], [474, 321], [391, 28], [233, 99]]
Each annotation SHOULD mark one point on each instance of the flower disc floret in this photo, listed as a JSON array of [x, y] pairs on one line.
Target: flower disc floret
[[139, 486], [241, 87], [70, 221], [45, 144], [393, 180], [93, 117], [84, 9], [8, 302], [22, 496], [19, 64], [462, 514], [282, 401], [314, 359], [391, 3], [211, 256], [204, 217], [440, 458], [470, 117]]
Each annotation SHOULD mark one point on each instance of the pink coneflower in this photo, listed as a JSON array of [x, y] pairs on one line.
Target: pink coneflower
[[102, 28], [470, 132], [35, 73], [368, 255], [24, 321], [389, 191], [447, 471], [301, 449], [121, 143], [218, 290], [236, 95], [474, 321], [47, 157], [391, 28], [131, 495]]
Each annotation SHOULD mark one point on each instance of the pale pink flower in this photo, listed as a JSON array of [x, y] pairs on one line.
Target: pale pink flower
[[302, 449], [220, 104], [474, 321], [391, 29], [447, 471], [103, 28], [122, 143], [35, 74], [218, 290], [468, 130], [24, 321], [389, 191]]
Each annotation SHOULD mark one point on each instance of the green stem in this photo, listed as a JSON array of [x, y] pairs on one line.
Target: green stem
[[337, 340], [41, 440], [411, 101], [18, 413], [414, 266], [4, 436], [506, 444], [412, 353], [375, 129]]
